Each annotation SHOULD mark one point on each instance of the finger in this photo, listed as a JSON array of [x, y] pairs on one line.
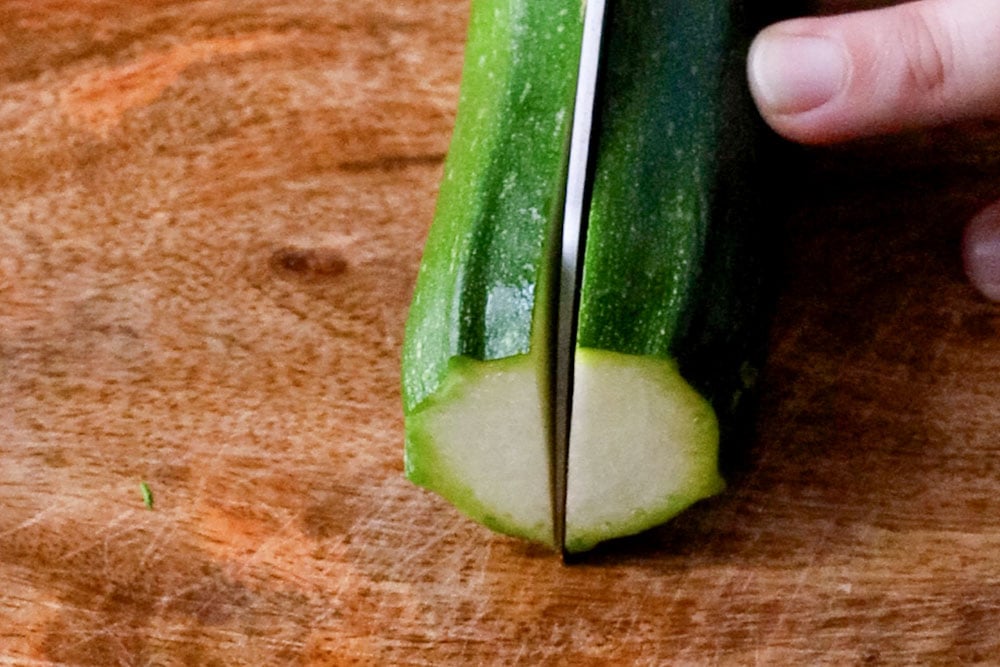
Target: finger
[[982, 252], [820, 80]]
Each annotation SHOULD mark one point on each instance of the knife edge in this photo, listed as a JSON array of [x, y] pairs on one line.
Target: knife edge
[[572, 244]]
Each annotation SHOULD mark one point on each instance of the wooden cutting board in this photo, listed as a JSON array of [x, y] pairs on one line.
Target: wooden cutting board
[[211, 215]]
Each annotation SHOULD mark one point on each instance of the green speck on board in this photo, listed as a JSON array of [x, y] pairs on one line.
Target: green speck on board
[[147, 495]]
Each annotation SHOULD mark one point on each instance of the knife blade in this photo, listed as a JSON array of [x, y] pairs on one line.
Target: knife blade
[[571, 253]]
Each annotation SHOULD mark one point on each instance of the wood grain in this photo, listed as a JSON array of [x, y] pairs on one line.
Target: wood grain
[[211, 215]]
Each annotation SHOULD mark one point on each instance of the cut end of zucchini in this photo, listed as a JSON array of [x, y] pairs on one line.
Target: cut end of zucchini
[[482, 443], [643, 447]]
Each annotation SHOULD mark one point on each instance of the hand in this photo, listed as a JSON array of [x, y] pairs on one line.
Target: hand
[[919, 64]]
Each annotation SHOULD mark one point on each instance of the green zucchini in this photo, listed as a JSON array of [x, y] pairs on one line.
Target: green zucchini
[[476, 361], [671, 283], [670, 277]]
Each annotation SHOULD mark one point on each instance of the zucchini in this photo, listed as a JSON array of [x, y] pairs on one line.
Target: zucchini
[[671, 284], [476, 375], [670, 280]]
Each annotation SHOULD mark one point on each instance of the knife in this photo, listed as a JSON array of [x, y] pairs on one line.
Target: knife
[[572, 246]]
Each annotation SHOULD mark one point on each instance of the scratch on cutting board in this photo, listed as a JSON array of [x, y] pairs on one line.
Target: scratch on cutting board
[[156, 542], [106, 533], [35, 518], [808, 571]]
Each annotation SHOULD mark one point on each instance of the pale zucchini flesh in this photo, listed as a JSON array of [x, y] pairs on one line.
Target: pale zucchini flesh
[[482, 443], [644, 447]]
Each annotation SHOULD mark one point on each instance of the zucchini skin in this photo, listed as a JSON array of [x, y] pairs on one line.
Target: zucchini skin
[[484, 288]]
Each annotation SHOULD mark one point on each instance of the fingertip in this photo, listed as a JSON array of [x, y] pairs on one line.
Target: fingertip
[[909, 66], [792, 74], [981, 252]]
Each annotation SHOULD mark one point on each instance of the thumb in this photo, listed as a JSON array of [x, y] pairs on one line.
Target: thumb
[[820, 80]]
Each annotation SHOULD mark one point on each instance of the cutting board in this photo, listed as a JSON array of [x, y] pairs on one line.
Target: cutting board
[[211, 215]]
